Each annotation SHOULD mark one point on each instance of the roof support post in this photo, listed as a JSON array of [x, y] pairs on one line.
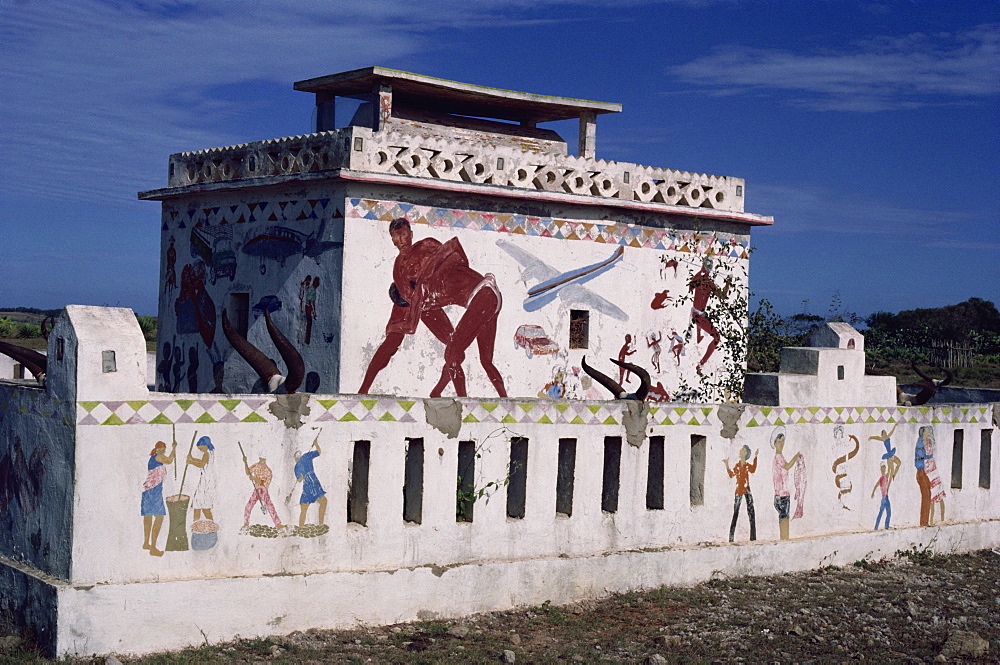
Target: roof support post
[[384, 115], [588, 135], [325, 112]]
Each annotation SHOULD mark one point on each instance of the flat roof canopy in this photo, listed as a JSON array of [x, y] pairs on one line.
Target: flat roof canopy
[[444, 96]]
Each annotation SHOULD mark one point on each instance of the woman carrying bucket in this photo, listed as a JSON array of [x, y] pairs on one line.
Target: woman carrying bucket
[[153, 508]]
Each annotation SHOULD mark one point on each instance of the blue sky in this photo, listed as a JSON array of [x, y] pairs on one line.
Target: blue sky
[[869, 130]]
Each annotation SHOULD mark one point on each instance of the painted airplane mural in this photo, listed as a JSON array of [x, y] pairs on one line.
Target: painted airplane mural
[[568, 286]]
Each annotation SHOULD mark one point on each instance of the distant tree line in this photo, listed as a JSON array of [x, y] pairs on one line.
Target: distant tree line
[[908, 336], [12, 328]]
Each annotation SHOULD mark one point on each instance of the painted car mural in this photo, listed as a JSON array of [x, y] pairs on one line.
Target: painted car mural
[[534, 341], [216, 250]]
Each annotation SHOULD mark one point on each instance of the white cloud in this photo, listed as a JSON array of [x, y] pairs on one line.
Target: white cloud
[[877, 74], [95, 95]]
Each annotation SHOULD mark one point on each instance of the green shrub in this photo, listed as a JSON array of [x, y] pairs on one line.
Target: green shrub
[[27, 330], [7, 328], [148, 326]]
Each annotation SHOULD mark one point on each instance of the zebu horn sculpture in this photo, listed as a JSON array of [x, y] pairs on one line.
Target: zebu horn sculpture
[[291, 356], [33, 360], [265, 368], [614, 387]]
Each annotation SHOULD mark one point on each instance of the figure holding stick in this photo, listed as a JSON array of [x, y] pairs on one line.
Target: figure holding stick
[[177, 506], [312, 490], [260, 475], [153, 508], [203, 496]]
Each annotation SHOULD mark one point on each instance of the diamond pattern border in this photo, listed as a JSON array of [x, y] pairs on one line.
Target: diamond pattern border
[[356, 409], [563, 229]]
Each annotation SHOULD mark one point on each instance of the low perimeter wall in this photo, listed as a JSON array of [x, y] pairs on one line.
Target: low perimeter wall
[[394, 509]]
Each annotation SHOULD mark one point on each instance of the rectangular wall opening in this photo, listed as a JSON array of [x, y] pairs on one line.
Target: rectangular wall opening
[[579, 329], [985, 457], [697, 480], [357, 488], [413, 481], [956, 459], [465, 499], [239, 312], [564, 477], [654, 474], [517, 486], [612, 473]]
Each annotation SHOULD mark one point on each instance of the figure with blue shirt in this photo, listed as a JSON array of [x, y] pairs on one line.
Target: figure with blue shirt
[[312, 491]]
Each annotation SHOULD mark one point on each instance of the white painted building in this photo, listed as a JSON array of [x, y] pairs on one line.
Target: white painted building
[[326, 508], [300, 226]]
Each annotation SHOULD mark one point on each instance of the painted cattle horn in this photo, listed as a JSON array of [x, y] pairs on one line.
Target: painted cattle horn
[[291, 356], [919, 373], [603, 379], [266, 369], [644, 381], [948, 376], [33, 360], [46, 331]]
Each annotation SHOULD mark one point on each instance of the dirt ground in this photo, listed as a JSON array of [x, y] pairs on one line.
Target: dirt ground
[[910, 609]]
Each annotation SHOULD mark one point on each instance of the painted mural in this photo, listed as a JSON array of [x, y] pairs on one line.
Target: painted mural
[[552, 281], [888, 468], [427, 276], [841, 478], [567, 286], [928, 479], [312, 491], [181, 514], [782, 489], [247, 258], [152, 506], [287, 495], [741, 472]]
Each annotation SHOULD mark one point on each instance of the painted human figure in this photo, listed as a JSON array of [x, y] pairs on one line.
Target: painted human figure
[[703, 287], [178, 366], [780, 469], [170, 279], [889, 467], [165, 365], [312, 491], [624, 376], [303, 290], [260, 474], [677, 346], [192, 369], [742, 472], [410, 256], [429, 276], [556, 388], [310, 307], [203, 497], [928, 479], [653, 342], [153, 508]]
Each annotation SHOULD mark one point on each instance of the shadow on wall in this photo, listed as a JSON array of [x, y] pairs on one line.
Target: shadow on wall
[[957, 395]]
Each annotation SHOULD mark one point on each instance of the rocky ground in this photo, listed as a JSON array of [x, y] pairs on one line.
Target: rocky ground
[[916, 607]]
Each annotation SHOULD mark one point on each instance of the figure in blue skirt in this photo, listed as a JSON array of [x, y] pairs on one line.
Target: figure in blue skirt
[[312, 491]]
